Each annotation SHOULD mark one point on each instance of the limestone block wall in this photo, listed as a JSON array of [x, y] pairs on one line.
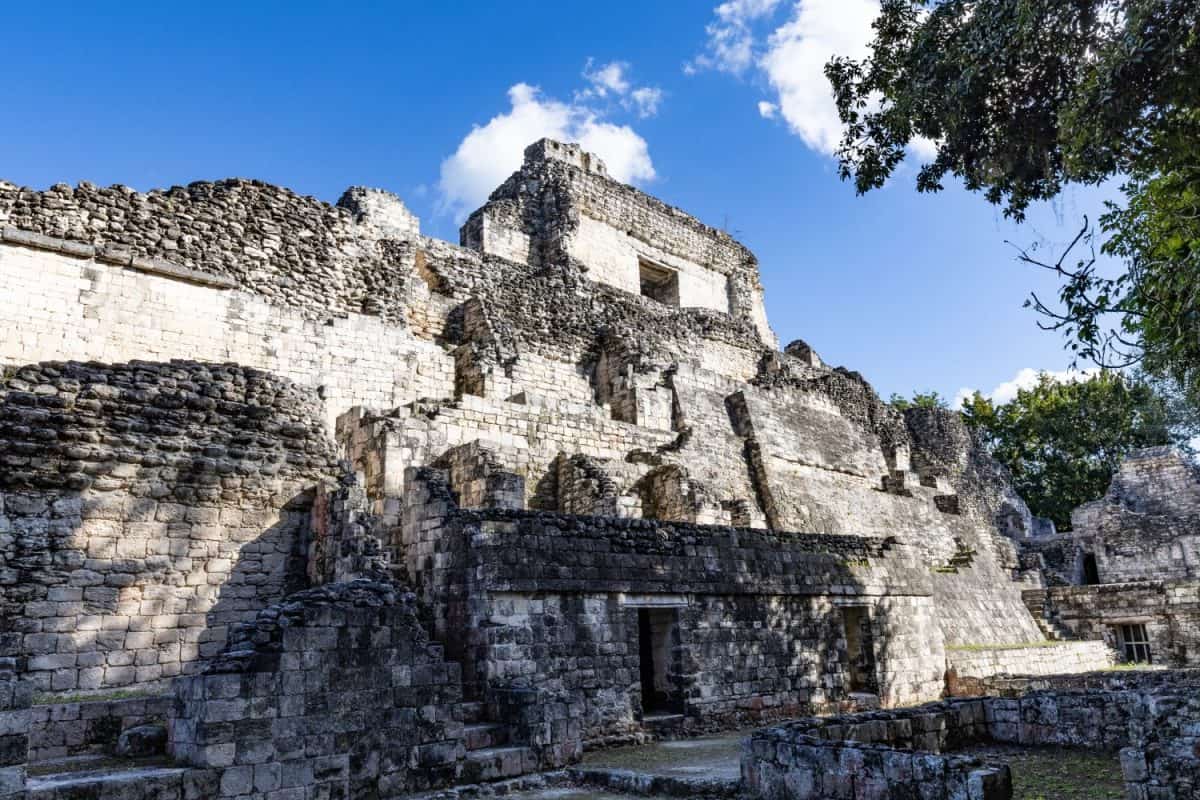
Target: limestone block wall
[[819, 463], [758, 629], [1170, 610], [143, 508], [264, 239], [59, 730], [1057, 659], [612, 256], [526, 439], [1146, 526], [581, 648], [337, 693], [570, 212], [901, 753], [60, 307], [881, 754]]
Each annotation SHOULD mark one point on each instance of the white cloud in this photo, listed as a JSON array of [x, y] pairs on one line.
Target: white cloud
[[794, 64], [491, 152], [791, 58], [608, 78], [612, 81], [731, 40], [645, 100], [1024, 379]]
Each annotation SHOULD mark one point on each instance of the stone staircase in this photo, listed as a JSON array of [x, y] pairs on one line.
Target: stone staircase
[[1047, 620], [491, 755]]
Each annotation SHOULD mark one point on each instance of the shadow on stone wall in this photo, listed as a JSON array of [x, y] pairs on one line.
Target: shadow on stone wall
[[145, 505]]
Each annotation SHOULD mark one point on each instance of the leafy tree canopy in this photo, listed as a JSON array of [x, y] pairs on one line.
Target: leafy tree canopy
[[929, 399], [1020, 96], [1063, 441]]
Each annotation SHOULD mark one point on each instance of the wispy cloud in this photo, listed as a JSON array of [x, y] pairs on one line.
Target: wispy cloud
[[731, 38], [788, 54]]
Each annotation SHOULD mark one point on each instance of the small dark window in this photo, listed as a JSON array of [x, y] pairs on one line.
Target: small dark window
[[1135, 644], [1091, 572], [659, 283]]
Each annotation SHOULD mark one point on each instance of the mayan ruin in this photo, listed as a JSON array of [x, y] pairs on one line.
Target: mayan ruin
[[297, 503]]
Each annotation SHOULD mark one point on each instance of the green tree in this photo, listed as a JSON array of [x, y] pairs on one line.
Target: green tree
[[1021, 97], [929, 399], [1063, 440]]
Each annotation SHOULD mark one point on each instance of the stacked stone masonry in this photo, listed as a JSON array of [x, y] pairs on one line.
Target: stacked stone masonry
[[385, 514], [912, 752], [1128, 572]]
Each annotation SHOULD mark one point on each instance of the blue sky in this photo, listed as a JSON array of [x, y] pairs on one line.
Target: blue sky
[[915, 291]]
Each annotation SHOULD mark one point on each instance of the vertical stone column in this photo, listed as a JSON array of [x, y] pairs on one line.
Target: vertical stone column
[[16, 697]]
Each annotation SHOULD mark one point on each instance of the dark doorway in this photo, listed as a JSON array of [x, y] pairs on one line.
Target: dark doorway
[[656, 635], [1091, 572], [860, 649]]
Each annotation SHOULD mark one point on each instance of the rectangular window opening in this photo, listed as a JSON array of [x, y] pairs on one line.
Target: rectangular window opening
[[658, 282], [1135, 643]]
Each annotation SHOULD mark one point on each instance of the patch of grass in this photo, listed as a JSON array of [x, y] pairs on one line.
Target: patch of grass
[[979, 648], [1132, 667], [1056, 773], [44, 699]]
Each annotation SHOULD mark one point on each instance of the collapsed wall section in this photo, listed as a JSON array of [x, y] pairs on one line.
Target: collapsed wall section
[[144, 507], [1147, 525], [337, 690]]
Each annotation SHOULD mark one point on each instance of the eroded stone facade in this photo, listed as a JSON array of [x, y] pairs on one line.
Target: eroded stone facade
[[389, 513]]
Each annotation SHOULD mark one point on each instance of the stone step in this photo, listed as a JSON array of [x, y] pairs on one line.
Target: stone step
[[641, 784], [497, 763], [472, 713], [144, 783], [663, 724], [482, 735]]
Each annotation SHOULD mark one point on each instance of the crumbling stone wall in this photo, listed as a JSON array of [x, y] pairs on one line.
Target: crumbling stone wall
[[62, 306], [557, 207], [335, 692], [1147, 526], [758, 635], [143, 508], [296, 250], [884, 754]]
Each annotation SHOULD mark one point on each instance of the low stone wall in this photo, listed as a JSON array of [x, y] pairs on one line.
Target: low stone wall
[[1166, 761], [876, 756], [1122, 680], [87, 727], [1054, 659], [336, 692], [1152, 719], [15, 698]]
